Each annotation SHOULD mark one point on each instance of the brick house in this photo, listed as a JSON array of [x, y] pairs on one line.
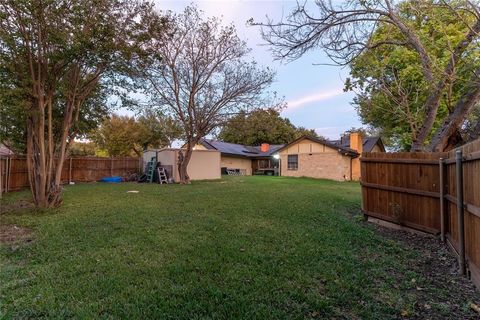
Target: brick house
[[304, 157], [335, 160], [247, 160]]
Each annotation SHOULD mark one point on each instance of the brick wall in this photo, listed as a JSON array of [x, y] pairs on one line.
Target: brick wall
[[325, 165]]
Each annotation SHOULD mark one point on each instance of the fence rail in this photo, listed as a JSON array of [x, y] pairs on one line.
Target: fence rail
[[422, 191], [14, 171]]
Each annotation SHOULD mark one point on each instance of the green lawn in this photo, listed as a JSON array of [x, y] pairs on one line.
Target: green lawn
[[241, 248]]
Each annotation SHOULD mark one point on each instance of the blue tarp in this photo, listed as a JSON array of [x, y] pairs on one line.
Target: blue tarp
[[115, 179]]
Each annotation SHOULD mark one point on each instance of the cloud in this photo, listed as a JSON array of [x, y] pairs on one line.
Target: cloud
[[316, 97]]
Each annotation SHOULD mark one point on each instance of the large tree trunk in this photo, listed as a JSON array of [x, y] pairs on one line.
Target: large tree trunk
[[36, 150], [446, 132], [44, 169], [433, 101], [184, 157]]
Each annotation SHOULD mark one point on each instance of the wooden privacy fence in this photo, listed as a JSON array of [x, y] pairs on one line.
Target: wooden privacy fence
[[437, 193], [14, 172]]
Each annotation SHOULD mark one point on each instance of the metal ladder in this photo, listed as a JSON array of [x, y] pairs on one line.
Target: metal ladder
[[151, 165], [162, 175]]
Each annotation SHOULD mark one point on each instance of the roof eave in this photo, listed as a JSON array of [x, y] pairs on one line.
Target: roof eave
[[341, 150]]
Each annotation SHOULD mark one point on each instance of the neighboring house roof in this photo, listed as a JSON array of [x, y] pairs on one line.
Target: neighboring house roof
[[368, 143], [239, 149], [5, 151], [342, 146], [341, 149]]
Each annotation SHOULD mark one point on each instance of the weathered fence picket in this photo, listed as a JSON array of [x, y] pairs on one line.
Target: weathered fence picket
[[437, 193], [14, 171]]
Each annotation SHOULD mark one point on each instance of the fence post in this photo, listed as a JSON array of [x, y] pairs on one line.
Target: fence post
[[460, 210], [111, 166], [9, 169], [70, 171], [443, 176]]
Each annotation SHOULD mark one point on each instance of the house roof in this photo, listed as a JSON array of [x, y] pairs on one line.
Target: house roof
[[239, 149], [341, 149], [342, 146], [4, 150], [368, 143]]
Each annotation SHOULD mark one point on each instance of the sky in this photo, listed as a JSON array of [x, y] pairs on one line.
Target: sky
[[314, 92]]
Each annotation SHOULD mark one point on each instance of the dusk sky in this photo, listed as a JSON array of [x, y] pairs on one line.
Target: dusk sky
[[314, 92]]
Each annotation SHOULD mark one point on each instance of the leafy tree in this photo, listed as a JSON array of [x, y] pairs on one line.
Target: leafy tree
[[13, 125], [391, 90], [12, 116], [126, 136], [157, 130], [56, 56], [82, 149], [118, 135], [261, 126], [200, 76], [438, 38], [302, 131]]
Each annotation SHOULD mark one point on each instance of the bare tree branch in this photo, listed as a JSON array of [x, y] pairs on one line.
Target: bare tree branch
[[201, 77]]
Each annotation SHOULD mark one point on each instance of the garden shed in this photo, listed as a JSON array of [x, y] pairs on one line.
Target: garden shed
[[204, 164]]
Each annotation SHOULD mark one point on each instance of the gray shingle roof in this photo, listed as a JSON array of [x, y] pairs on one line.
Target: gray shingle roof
[[368, 142], [239, 149], [254, 151], [4, 151]]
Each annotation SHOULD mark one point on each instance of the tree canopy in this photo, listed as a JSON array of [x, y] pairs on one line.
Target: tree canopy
[[391, 90], [13, 124], [83, 149], [261, 126], [127, 136], [430, 48], [57, 59]]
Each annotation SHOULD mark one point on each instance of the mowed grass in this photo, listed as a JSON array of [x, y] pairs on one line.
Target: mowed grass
[[240, 248]]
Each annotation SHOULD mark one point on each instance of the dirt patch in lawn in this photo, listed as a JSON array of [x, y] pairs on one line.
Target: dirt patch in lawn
[[13, 235], [440, 291], [17, 206]]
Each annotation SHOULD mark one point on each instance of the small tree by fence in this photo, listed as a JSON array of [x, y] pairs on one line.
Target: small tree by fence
[[437, 193], [14, 171]]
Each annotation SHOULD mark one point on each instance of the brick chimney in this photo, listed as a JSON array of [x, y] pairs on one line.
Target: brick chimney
[[356, 142], [264, 147]]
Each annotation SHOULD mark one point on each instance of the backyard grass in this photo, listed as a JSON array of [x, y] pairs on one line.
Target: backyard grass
[[239, 248]]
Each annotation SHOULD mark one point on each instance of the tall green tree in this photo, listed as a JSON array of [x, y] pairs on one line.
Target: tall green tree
[[441, 37], [13, 125], [391, 91], [82, 149], [261, 126], [119, 136], [55, 55], [157, 129], [127, 136]]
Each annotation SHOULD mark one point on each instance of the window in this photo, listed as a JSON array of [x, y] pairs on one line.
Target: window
[[263, 164], [292, 161]]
